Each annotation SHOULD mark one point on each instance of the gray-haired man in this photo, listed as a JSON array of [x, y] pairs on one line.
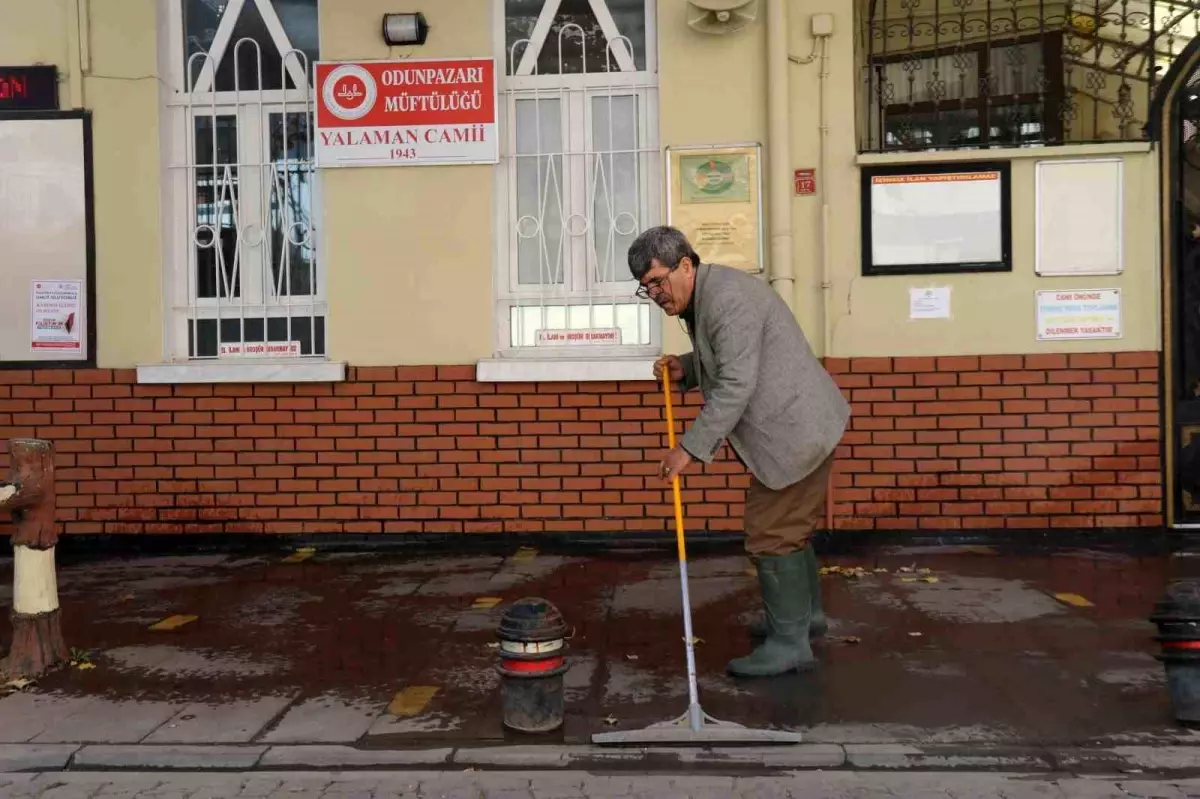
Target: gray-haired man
[[782, 414]]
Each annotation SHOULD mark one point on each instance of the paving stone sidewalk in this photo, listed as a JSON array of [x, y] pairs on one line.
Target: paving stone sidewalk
[[961, 646], [580, 785]]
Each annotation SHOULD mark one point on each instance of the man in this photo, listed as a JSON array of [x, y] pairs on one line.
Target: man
[[782, 414]]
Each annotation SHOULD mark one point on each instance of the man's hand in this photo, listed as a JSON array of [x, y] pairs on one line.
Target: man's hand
[[674, 463], [672, 364]]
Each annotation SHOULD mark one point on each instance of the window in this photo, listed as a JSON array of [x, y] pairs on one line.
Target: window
[[244, 279], [993, 93], [579, 176]]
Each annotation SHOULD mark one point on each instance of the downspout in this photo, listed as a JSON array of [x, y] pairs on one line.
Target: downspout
[[826, 250], [823, 177], [779, 183]]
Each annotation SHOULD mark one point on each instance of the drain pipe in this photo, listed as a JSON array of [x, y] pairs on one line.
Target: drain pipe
[[782, 272], [823, 162], [826, 250]]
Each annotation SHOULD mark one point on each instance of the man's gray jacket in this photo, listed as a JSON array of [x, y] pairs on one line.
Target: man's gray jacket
[[763, 388]]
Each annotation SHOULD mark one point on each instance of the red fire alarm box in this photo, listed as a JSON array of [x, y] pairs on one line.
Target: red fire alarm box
[[806, 181]]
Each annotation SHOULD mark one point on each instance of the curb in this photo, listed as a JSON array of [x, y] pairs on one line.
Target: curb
[[1170, 760]]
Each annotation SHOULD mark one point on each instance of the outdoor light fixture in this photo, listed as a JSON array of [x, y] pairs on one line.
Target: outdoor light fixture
[[405, 28]]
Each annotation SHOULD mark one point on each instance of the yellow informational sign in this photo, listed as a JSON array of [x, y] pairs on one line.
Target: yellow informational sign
[[714, 195]]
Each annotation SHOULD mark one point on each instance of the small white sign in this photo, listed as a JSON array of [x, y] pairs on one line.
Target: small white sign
[[569, 338], [1087, 313], [261, 349], [56, 317], [930, 303]]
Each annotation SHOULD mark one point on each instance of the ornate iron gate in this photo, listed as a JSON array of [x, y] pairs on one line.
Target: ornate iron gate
[[1183, 183]]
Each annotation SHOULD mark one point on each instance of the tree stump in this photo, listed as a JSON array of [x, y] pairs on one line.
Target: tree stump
[[29, 495]]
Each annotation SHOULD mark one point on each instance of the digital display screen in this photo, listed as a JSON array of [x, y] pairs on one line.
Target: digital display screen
[[29, 88]]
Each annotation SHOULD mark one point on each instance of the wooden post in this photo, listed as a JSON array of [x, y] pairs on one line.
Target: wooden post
[[29, 494]]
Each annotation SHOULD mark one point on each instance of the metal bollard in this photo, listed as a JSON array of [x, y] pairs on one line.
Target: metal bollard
[[37, 642], [532, 644], [1177, 615]]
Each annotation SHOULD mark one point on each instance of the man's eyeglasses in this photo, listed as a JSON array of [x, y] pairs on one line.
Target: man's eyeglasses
[[651, 289]]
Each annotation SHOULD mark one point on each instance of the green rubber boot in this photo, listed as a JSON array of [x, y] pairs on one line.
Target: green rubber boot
[[819, 624], [782, 579]]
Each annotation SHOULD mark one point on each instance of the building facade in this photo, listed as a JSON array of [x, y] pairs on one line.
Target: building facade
[[979, 211]]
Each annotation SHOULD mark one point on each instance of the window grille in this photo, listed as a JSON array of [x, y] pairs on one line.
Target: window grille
[[942, 74], [580, 173], [246, 280]]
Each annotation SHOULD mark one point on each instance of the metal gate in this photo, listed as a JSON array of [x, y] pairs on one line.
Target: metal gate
[[1183, 183]]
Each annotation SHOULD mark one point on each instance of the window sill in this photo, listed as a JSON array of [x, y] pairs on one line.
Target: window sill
[[1013, 153], [581, 370], [262, 372]]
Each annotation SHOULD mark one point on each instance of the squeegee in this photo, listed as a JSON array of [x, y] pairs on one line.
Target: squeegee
[[695, 727]]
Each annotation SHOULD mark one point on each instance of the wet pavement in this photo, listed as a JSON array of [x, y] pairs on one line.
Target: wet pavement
[[926, 645]]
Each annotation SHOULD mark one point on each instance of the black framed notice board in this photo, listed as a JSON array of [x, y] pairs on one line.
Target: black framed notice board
[[936, 218], [48, 256]]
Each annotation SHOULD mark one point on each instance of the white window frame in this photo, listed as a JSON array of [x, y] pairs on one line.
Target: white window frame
[[252, 109], [575, 93]]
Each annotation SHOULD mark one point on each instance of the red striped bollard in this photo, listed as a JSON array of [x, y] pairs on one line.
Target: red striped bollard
[[532, 647]]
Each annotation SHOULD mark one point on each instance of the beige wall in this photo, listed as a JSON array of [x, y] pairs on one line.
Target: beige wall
[[993, 313], [409, 250], [121, 91]]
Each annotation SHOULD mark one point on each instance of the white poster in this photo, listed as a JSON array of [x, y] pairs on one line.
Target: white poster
[[261, 349], [930, 303], [56, 316], [936, 219], [568, 338], [1087, 313]]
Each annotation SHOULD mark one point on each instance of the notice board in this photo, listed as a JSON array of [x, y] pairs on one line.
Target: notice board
[[1080, 216], [47, 240], [936, 218]]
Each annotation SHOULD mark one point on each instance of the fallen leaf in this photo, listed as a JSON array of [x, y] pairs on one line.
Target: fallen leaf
[[18, 684], [494, 645], [85, 666], [300, 555], [695, 641], [173, 622], [916, 635], [486, 602], [848, 639], [631, 657], [881, 571], [411, 701], [908, 579], [610, 720], [905, 569], [924, 571], [929, 579], [1074, 599]]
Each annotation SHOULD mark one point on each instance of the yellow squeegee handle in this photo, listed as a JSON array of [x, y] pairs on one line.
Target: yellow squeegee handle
[[675, 479]]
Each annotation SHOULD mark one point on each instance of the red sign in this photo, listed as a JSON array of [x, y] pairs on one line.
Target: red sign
[[410, 111], [28, 88], [806, 181]]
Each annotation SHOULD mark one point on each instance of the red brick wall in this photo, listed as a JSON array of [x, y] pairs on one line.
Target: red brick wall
[[1031, 441], [1021, 441]]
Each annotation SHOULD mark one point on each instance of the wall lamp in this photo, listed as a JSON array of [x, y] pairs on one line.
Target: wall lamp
[[405, 28]]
